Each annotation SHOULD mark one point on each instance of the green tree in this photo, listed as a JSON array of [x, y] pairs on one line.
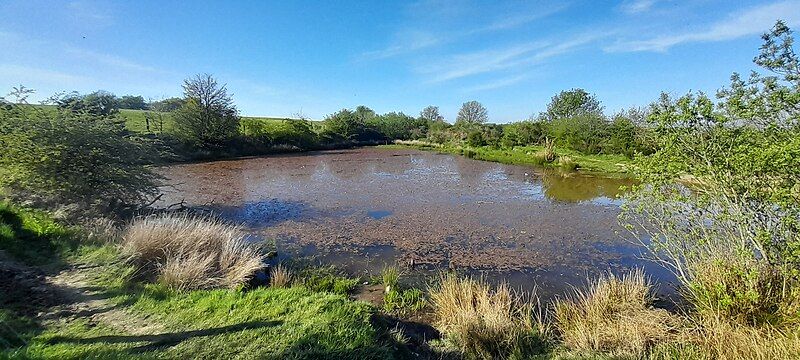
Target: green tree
[[132, 102], [524, 133], [364, 113], [572, 103], [471, 113], [208, 117], [395, 125], [102, 103], [343, 125], [166, 105], [585, 133], [431, 114], [734, 239]]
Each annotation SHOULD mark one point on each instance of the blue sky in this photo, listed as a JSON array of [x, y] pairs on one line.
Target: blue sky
[[284, 57]]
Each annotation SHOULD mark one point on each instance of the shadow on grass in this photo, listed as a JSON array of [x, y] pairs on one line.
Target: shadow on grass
[[158, 341]]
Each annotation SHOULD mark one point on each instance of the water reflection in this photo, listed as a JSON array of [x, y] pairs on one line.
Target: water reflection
[[357, 207], [575, 187]]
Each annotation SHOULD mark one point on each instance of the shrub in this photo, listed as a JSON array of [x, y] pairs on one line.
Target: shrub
[[484, 323], [613, 315], [56, 158], [584, 133], [398, 126], [524, 133], [346, 126], [270, 132], [742, 292], [99, 103], [475, 138], [189, 252]]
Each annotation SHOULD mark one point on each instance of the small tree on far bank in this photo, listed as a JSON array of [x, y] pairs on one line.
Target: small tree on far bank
[[431, 114], [471, 113], [208, 117], [572, 103]]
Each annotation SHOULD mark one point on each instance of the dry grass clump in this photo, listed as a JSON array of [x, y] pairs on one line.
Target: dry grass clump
[[482, 322], [743, 292], [567, 163], [280, 277], [191, 252], [548, 153], [614, 315], [727, 341]]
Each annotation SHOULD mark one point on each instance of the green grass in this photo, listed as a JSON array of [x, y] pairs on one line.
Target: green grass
[[264, 323], [605, 164], [135, 120], [269, 323], [313, 320], [33, 238]]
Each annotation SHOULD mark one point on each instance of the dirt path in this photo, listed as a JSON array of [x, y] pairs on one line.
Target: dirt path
[[81, 300]]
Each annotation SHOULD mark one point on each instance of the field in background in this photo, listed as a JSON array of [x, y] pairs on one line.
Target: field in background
[[136, 120]]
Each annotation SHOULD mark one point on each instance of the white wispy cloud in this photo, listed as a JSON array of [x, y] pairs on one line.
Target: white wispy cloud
[[515, 56], [479, 62], [499, 83], [13, 74], [90, 11], [412, 39], [513, 21], [109, 60], [637, 6], [408, 41], [751, 21]]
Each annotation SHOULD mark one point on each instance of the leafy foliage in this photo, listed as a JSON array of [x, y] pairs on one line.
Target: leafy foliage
[[431, 114], [734, 238], [471, 113], [100, 103], [132, 102], [208, 118], [68, 157], [572, 103]]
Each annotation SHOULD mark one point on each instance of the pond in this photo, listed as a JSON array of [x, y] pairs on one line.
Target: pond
[[361, 209]]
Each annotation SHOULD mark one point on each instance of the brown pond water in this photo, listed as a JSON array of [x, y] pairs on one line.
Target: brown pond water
[[362, 209]]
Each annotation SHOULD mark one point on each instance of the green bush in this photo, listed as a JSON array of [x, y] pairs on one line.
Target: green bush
[[55, 157], [583, 133], [271, 132], [524, 133], [101, 103]]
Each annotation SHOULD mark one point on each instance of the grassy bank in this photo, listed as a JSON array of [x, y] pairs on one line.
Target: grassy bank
[[100, 302], [313, 318], [531, 155]]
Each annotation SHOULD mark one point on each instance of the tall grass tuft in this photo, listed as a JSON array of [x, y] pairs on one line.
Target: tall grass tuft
[[548, 153], [191, 252], [390, 275], [614, 315], [280, 277], [743, 292], [485, 323]]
